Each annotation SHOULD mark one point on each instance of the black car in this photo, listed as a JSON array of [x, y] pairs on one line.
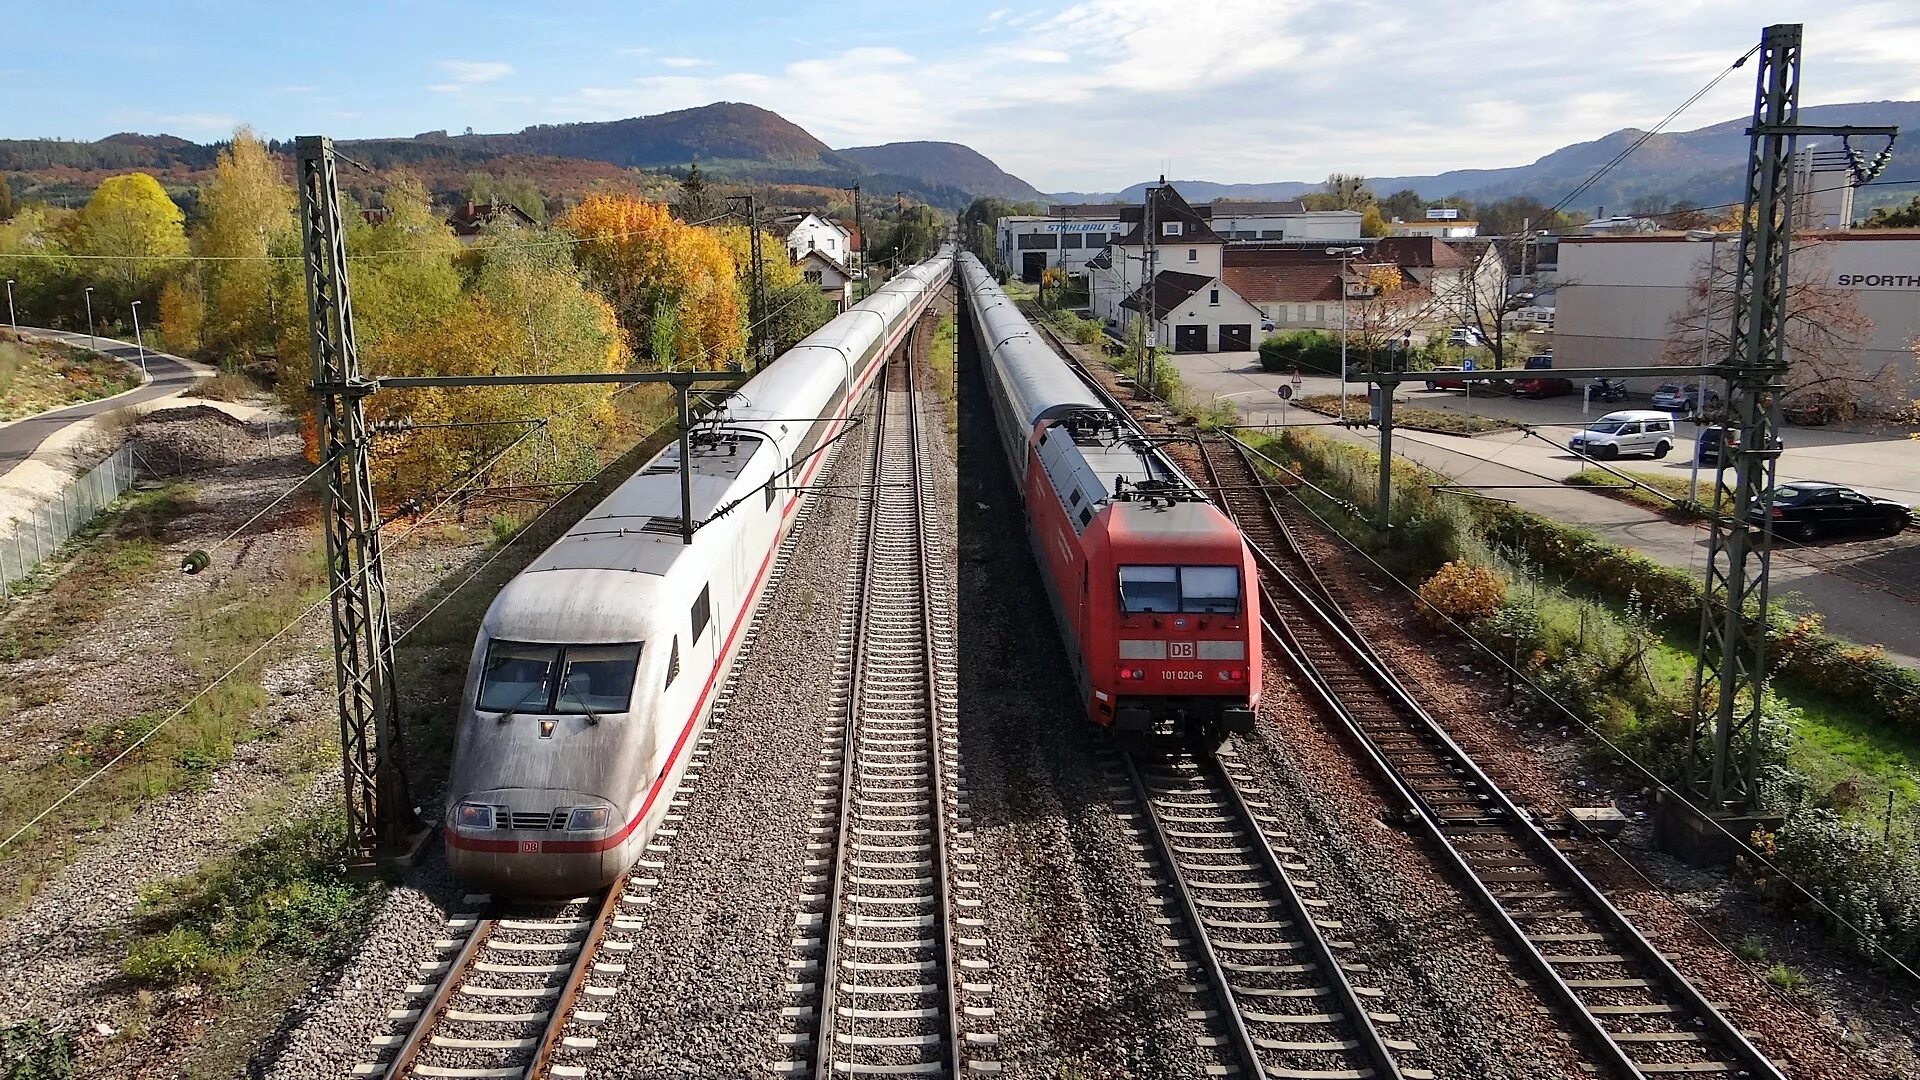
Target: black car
[[1806, 510], [1706, 445]]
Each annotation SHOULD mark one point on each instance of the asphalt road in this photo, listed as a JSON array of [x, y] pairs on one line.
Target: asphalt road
[[1867, 588], [18, 441]]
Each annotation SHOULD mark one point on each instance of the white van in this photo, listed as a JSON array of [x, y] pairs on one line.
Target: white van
[[1634, 431]]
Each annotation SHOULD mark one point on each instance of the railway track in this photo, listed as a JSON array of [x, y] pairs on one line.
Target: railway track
[[889, 974], [1639, 1015], [499, 1006], [1288, 1006]]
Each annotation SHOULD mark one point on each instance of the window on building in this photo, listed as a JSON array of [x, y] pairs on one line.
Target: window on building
[[1213, 297], [1319, 313], [1272, 234], [809, 243], [1193, 254], [1072, 240], [812, 276], [702, 612], [1170, 228], [1038, 242]]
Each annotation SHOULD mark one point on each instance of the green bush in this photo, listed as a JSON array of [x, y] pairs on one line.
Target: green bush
[[1873, 883], [177, 956], [1303, 350], [32, 1050]]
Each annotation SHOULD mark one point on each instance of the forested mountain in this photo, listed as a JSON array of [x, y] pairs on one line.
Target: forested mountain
[[945, 163], [731, 141]]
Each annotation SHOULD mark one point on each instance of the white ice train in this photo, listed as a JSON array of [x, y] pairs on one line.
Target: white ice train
[[596, 666]]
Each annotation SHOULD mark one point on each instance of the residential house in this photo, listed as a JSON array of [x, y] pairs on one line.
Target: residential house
[[1071, 236], [830, 274], [811, 232], [471, 219]]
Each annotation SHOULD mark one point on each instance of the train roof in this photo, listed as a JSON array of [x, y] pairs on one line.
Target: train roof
[[1040, 384], [637, 528]]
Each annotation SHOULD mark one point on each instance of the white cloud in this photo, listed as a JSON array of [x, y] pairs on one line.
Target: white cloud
[[1033, 56], [467, 73], [684, 62]]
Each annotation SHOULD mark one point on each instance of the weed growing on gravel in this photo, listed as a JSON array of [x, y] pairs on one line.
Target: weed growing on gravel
[[1790, 979], [32, 1050], [1751, 950], [286, 896]]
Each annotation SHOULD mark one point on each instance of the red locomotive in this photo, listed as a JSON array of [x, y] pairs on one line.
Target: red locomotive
[[1148, 580]]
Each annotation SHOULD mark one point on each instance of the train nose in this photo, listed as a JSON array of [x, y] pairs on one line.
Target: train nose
[[535, 841]]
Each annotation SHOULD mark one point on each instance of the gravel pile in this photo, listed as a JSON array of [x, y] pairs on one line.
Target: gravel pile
[[193, 438]]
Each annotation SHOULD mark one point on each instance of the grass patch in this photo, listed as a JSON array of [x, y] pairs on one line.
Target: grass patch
[[226, 386], [1669, 495], [214, 632], [37, 376], [1442, 421], [117, 550], [940, 359]]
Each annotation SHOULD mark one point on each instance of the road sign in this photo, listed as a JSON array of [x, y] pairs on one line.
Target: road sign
[[1466, 364], [1286, 393]]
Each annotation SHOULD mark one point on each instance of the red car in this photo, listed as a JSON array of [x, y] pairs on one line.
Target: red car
[[1438, 379], [1542, 388]]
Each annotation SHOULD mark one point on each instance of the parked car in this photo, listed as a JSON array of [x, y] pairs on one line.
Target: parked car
[[1437, 379], [1809, 509], [1634, 431], [1464, 337], [1542, 387], [1683, 397], [1607, 389], [1707, 446], [1814, 410]]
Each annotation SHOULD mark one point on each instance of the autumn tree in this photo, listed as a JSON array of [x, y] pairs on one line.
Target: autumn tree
[[245, 219], [1479, 298], [513, 190], [7, 203], [1372, 224], [795, 306], [527, 309], [1405, 204], [1341, 191], [135, 234], [651, 267], [1825, 330], [32, 252]]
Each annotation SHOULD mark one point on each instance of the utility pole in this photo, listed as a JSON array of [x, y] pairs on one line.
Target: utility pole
[[1723, 749], [381, 825], [1153, 331], [899, 231], [757, 298], [860, 240]]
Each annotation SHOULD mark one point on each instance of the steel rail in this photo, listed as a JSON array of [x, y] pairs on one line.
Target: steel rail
[[1517, 826], [442, 998], [821, 1053], [554, 1035]]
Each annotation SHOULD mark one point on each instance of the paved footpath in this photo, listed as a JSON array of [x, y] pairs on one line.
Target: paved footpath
[[169, 375], [1868, 589]]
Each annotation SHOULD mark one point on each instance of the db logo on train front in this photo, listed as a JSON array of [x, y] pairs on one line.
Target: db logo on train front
[[1179, 650], [529, 847]]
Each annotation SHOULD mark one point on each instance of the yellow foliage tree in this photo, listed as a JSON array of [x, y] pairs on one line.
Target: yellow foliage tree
[[136, 232], [245, 216], [1462, 591], [182, 317], [795, 306], [672, 285]]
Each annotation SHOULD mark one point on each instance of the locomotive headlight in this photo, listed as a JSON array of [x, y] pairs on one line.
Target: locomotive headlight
[[587, 819], [473, 816]]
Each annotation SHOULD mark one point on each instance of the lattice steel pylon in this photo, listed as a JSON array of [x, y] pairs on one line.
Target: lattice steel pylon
[[381, 823], [1723, 747]]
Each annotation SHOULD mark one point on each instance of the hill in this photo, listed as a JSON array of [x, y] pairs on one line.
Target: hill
[[945, 163], [1698, 167], [735, 142]]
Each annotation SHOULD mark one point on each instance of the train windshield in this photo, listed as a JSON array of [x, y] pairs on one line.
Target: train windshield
[[568, 680], [1210, 589], [1202, 590], [518, 677], [597, 679]]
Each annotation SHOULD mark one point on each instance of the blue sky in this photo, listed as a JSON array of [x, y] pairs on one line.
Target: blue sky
[[1087, 95]]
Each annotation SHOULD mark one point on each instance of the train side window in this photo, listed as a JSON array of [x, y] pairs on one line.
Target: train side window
[[702, 613], [770, 487], [673, 663]]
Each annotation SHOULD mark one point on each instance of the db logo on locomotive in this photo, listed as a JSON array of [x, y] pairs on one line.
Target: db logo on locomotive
[[1179, 650]]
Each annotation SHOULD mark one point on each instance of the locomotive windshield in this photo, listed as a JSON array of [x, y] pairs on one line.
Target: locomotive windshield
[[553, 679], [1203, 590]]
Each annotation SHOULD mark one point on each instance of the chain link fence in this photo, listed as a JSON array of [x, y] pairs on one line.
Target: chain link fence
[[27, 541]]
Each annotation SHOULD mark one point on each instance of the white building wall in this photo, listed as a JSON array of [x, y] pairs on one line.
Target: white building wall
[[817, 234], [1616, 298]]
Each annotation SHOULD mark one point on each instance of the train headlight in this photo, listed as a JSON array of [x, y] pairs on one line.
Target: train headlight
[[1131, 674], [587, 819], [473, 816]]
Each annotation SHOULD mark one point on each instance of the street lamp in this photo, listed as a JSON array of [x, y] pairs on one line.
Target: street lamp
[[15, 323], [1346, 255], [139, 344], [1712, 240], [91, 343]]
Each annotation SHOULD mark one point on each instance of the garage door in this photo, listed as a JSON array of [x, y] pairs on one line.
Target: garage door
[[1190, 338], [1236, 338], [1032, 265]]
